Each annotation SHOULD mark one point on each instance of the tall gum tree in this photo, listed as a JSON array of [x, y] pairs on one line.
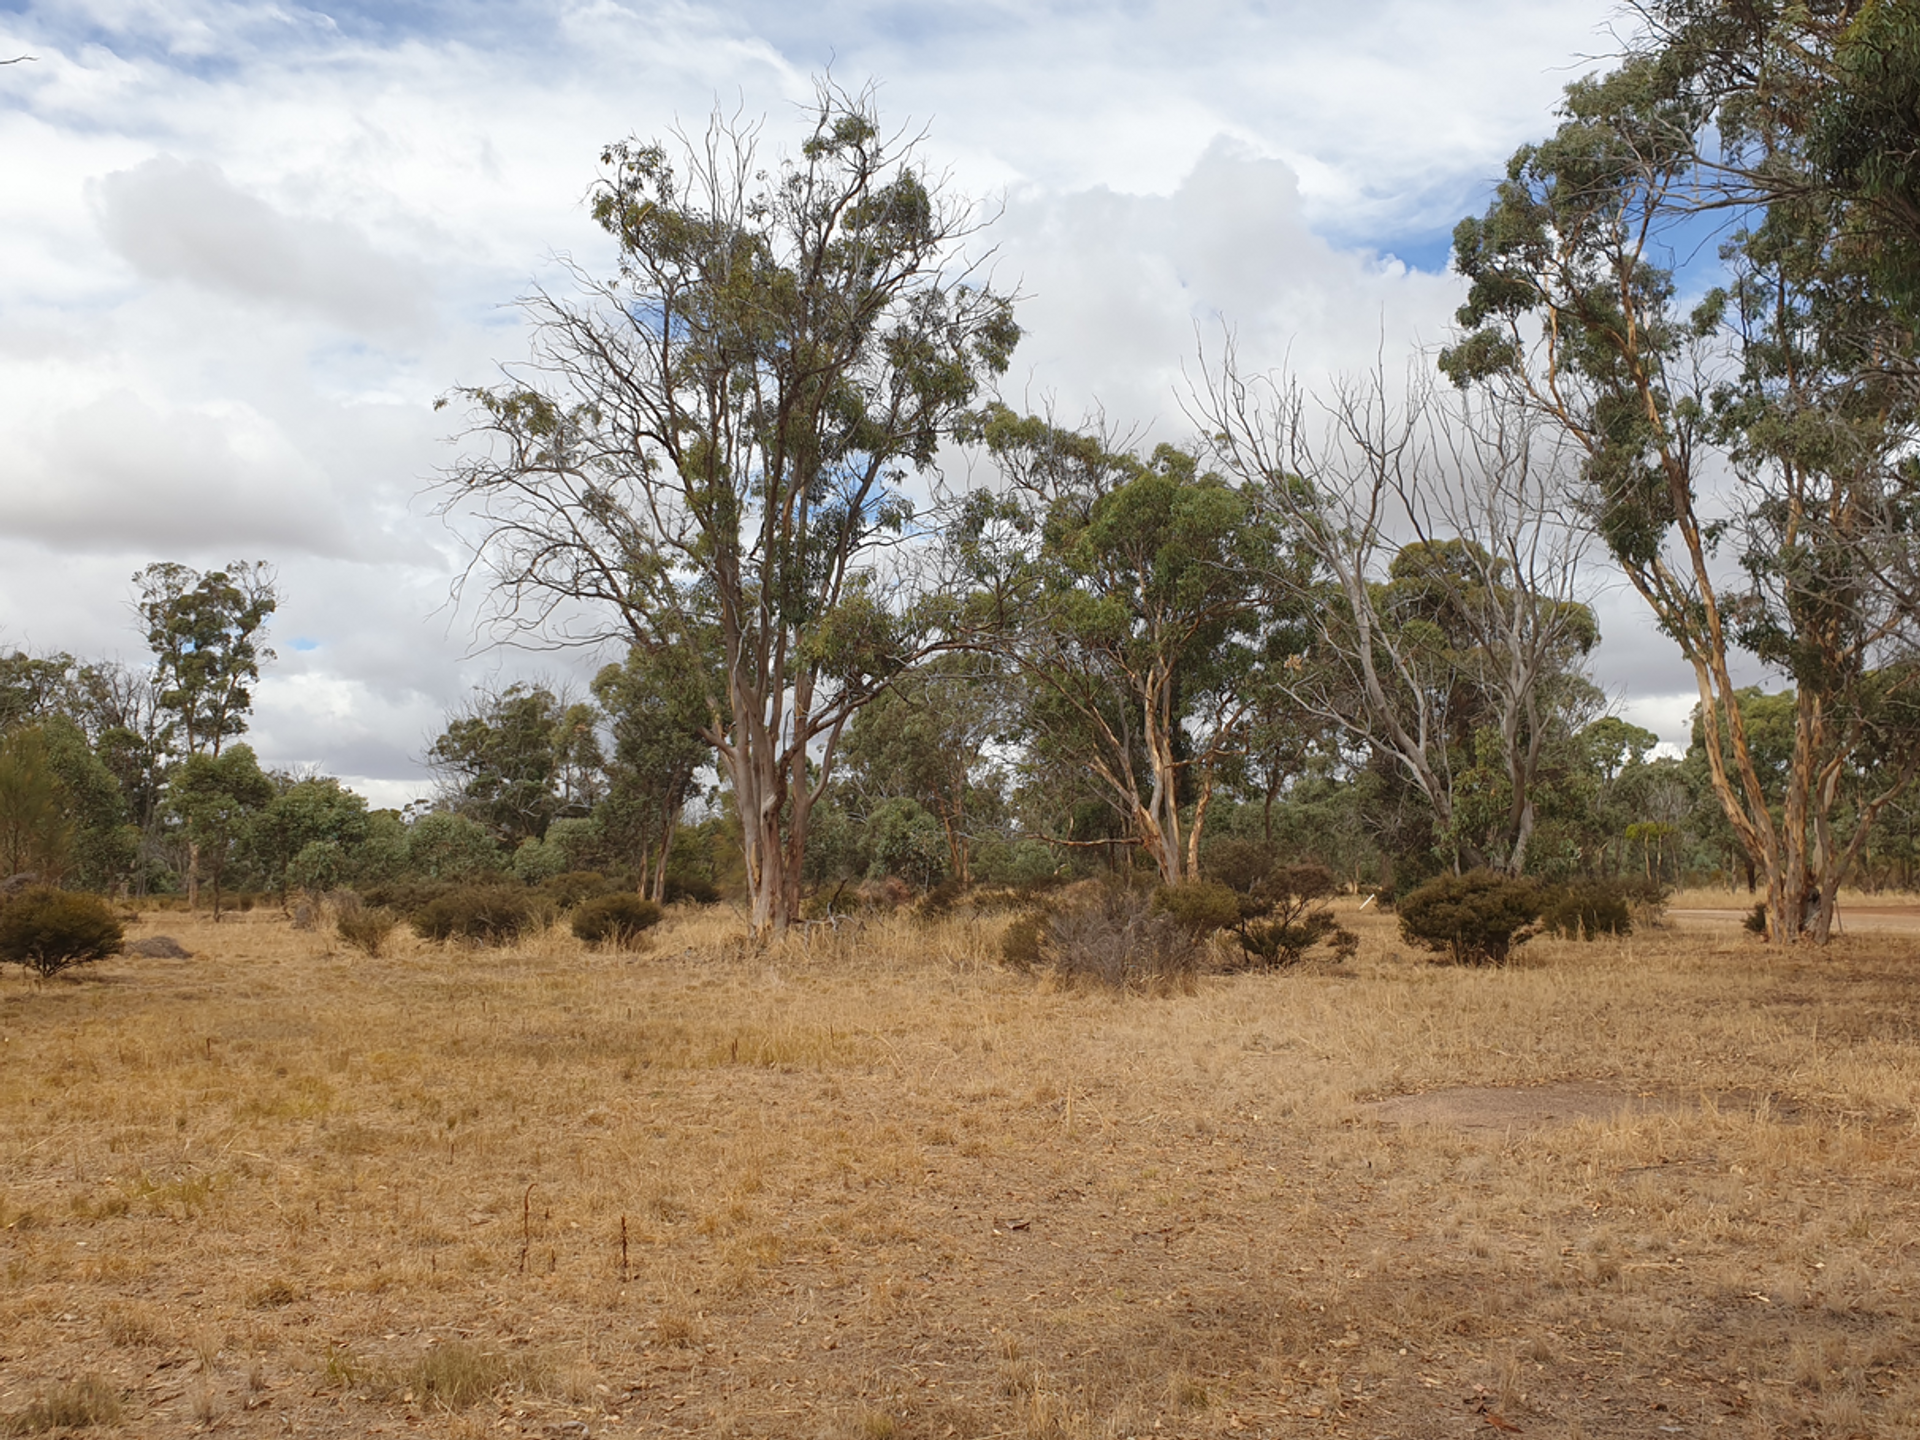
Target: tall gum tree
[[717, 439], [1745, 463], [1439, 588]]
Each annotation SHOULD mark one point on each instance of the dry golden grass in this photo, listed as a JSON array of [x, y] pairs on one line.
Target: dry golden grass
[[876, 1186]]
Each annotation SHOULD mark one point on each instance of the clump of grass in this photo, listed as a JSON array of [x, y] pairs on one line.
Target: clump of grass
[[458, 1374], [366, 929], [1118, 940], [75, 1405]]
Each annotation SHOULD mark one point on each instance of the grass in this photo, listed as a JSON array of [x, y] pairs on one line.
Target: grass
[[877, 1185]]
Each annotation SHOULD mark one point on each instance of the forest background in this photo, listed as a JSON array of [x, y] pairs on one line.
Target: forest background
[[1347, 627]]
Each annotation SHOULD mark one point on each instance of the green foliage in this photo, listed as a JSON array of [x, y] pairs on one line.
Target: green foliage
[[48, 930], [1587, 909], [1475, 919], [318, 811], [617, 920], [480, 914], [517, 761], [1200, 907], [205, 633], [216, 799], [36, 833], [570, 888], [451, 847], [1282, 918]]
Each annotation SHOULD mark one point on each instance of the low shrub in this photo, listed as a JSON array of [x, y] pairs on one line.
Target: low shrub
[[47, 929], [1238, 864], [1473, 919], [616, 920], [1587, 909], [1200, 907], [366, 929], [481, 914], [1020, 947], [1119, 940], [571, 887], [692, 890], [1283, 918]]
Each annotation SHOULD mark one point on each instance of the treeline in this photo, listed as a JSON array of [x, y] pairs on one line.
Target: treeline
[[1366, 604], [1348, 626]]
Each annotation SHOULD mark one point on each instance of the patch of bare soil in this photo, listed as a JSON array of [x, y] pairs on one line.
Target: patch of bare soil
[[1513, 1110]]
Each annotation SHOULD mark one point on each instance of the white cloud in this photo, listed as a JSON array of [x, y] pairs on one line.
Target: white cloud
[[172, 220], [243, 245]]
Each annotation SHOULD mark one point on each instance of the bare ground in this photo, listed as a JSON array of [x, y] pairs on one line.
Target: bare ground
[[884, 1188]]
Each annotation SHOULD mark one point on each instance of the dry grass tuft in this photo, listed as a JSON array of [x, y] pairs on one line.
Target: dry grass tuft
[[77, 1405]]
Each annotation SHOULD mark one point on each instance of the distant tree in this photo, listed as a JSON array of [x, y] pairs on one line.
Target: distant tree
[[519, 759], [317, 810], [215, 799], [928, 740], [1427, 544], [655, 705], [718, 438], [205, 633], [36, 832], [1124, 590]]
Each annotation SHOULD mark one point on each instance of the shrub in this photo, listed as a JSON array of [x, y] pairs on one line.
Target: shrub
[[1587, 909], [47, 929], [574, 886], [1280, 922], [614, 919], [1120, 940], [1199, 907], [1020, 947], [484, 914], [693, 889], [1475, 919], [366, 930], [1238, 864]]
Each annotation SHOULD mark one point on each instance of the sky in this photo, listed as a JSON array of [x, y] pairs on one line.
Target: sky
[[245, 246]]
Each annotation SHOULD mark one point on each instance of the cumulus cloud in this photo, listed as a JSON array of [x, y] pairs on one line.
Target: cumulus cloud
[[243, 245], [177, 220]]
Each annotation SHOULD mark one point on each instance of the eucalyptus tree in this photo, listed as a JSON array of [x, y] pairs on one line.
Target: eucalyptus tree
[[205, 632], [1126, 590], [1746, 462], [654, 704], [719, 435], [1439, 588]]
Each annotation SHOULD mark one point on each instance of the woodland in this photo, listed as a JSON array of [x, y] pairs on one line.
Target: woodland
[[1343, 625]]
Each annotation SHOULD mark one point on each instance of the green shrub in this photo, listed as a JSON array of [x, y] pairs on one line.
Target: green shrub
[[1587, 909], [574, 886], [366, 930], [1474, 919], [47, 929], [1238, 864], [1200, 907], [483, 914], [693, 889], [1282, 918], [616, 920]]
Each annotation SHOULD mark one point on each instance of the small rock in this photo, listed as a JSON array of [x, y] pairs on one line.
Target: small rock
[[159, 947]]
